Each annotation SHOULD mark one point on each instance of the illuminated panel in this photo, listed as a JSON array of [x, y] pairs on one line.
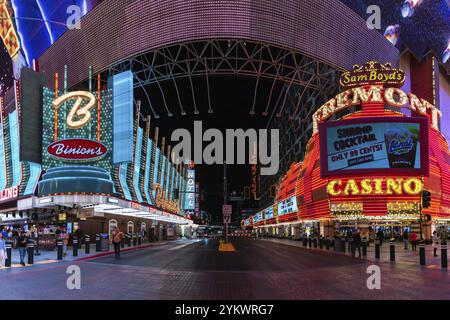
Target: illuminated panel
[[7, 32], [123, 100], [148, 161], [123, 180], [14, 138], [190, 190], [162, 179], [87, 131], [3, 180], [168, 178], [156, 168], [137, 165], [33, 177]]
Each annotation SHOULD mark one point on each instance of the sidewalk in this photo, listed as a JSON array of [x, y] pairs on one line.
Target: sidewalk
[[401, 255], [46, 257]]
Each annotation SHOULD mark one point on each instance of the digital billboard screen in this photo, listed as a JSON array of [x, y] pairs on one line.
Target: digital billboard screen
[[287, 206], [371, 145]]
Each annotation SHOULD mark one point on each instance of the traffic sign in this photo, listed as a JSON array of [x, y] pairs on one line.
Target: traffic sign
[[226, 209], [226, 219]]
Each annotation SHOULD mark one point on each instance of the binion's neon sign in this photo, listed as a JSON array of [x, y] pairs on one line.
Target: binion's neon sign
[[79, 115]]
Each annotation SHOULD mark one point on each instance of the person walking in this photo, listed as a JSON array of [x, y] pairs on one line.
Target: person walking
[[413, 239], [64, 236], [3, 254], [356, 244], [380, 236], [22, 241], [436, 242], [405, 239], [116, 237], [4, 234]]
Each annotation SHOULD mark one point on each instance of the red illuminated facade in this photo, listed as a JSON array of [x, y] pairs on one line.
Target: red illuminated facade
[[365, 198]]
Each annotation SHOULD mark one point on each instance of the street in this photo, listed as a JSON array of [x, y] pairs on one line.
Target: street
[[195, 269]]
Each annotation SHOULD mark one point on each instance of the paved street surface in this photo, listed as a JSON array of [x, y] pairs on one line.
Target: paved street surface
[[195, 269]]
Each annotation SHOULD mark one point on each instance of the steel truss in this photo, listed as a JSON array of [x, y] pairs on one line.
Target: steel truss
[[299, 75]]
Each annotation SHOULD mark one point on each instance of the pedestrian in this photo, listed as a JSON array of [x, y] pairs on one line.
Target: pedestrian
[[3, 254], [405, 239], [413, 239], [436, 242], [22, 241], [380, 236], [116, 237], [356, 244], [4, 234], [64, 236]]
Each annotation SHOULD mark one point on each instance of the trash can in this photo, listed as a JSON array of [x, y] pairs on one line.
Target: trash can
[[104, 242]]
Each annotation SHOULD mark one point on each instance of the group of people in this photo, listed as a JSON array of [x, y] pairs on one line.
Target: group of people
[[410, 237], [22, 240]]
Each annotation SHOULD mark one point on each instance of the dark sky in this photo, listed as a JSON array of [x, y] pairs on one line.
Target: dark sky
[[5, 69], [231, 100]]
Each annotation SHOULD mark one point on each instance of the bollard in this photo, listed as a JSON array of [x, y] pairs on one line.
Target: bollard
[[444, 254], [139, 239], [75, 247], [392, 249], [129, 240], [87, 243], [310, 242], [8, 246], [315, 242], [30, 251], [327, 244], [377, 248], [422, 253], [305, 242], [364, 248], [122, 242], [59, 245], [134, 239], [98, 246], [320, 243]]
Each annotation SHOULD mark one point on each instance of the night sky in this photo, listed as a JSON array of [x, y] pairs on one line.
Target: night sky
[[6, 77]]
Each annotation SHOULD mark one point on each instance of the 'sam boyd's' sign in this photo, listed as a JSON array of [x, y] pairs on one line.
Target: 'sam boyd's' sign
[[77, 150]]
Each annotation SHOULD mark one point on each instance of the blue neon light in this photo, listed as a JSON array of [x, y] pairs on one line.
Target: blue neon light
[[155, 168], [46, 22], [35, 172], [123, 180], [2, 157], [147, 170], [21, 38], [137, 166], [14, 134]]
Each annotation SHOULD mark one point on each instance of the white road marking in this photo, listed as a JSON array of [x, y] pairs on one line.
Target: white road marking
[[183, 245]]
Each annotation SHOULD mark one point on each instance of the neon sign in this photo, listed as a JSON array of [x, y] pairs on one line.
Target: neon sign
[[9, 193], [162, 202], [397, 186], [392, 96], [78, 116], [7, 32], [77, 149], [372, 73]]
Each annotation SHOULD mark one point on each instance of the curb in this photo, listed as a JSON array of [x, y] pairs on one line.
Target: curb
[[342, 254]]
